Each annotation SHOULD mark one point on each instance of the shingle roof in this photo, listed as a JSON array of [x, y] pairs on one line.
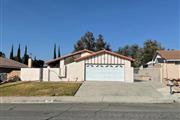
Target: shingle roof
[[105, 51], [75, 53], [173, 54], [8, 63]]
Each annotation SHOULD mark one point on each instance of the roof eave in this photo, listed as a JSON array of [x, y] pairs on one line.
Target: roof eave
[[11, 67], [105, 51], [63, 57]]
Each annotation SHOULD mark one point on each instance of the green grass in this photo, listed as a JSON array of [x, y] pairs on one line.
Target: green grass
[[39, 89]]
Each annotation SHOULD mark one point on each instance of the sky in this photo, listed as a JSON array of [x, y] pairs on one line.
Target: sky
[[40, 24]]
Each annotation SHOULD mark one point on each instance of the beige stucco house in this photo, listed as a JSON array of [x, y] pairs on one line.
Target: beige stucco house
[[86, 65], [169, 61]]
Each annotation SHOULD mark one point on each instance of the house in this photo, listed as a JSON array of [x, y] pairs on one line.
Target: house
[[86, 65], [10, 67], [165, 64], [169, 61]]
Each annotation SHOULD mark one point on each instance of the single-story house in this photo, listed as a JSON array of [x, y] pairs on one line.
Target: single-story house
[[87, 65], [169, 61], [10, 67]]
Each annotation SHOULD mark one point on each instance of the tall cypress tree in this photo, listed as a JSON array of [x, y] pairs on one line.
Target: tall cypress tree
[[19, 54], [26, 56], [59, 52], [54, 51], [11, 53]]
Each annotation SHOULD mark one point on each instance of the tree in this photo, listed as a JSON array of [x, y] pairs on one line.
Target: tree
[[126, 50], [100, 44], [37, 63], [133, 51], [150, 47], [54, 51], [59, 53], [2, 54], [18, 57], [86, 42], [141, 55], [89, 41], [136, 53], [79, 45], [12, 53], [25, 57]]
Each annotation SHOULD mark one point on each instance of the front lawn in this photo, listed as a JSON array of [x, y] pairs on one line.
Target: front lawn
[[39, 89]]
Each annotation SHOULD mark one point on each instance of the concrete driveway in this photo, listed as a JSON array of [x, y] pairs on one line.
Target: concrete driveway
[[141, 89]]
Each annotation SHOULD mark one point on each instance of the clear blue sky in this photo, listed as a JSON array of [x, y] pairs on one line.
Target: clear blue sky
[[41, 23]]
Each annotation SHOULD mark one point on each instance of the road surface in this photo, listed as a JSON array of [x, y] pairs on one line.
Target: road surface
[[89, 111]]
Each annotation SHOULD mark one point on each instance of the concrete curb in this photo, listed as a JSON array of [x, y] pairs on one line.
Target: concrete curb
[[72, 99]]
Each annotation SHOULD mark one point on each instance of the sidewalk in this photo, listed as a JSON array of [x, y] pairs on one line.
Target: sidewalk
[[73, 99]]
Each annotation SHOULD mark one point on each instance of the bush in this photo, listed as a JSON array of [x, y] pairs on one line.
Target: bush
[[14, 79]]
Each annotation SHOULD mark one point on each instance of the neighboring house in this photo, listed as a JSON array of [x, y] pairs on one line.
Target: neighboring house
[[10, 67], [86, 65], [169, 61]]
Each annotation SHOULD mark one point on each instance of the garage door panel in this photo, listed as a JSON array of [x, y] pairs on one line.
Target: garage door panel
[[105, 72]]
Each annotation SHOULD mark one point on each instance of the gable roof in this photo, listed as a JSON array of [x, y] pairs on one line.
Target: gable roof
[[169, 55], [103, 52], [69, 55], [8, 63]]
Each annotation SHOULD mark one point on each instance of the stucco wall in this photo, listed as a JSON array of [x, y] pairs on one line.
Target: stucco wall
[[75, 71], [129, 74], [171, 70], [44, 74], [30, 74], [159, 72], [51, 74], [152, 73]]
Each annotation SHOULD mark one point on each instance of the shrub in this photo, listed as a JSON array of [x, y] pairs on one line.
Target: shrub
[[14, 79]]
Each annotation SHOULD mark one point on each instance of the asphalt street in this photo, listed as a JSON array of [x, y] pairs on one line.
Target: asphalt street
[[89, 111]]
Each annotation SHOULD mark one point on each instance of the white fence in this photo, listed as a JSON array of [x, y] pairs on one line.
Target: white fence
[[40, 74]]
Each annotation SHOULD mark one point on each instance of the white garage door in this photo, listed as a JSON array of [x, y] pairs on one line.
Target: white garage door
[[104, 72]]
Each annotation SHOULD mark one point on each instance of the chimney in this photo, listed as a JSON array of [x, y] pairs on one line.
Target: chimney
[[30, 62]]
